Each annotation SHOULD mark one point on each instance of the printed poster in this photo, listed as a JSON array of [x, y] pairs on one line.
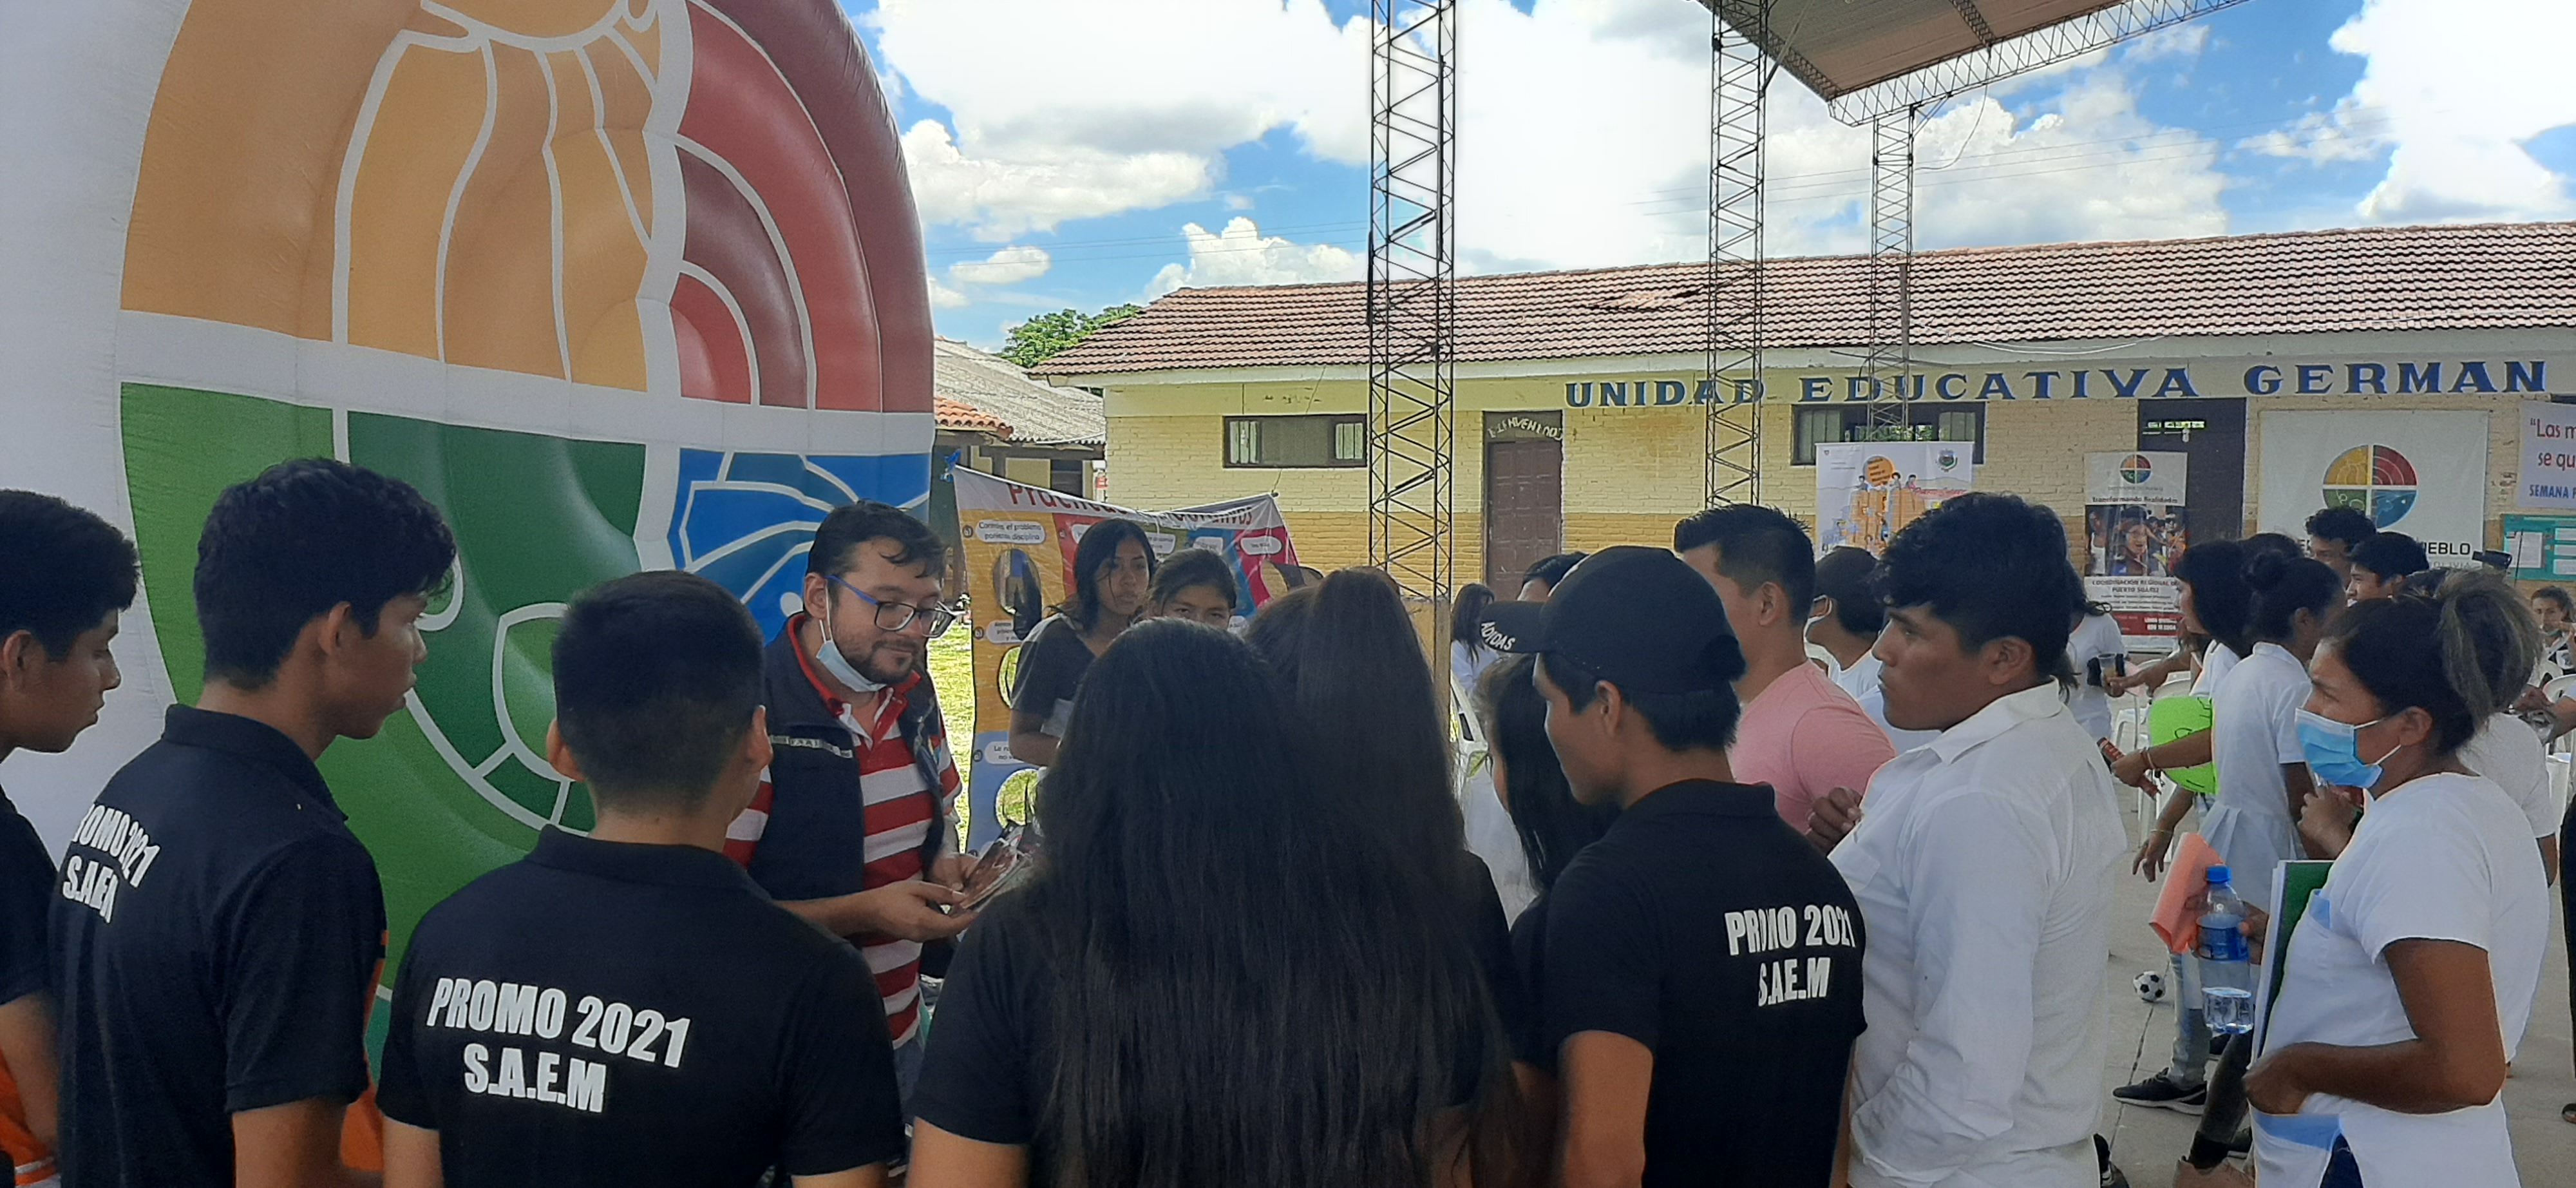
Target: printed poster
[[2549, 457], [2134, 533], [2420, 473], [1018, 543], [1867, 491]]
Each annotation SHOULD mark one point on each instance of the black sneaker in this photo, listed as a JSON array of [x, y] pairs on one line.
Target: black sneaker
[[2112, 1177], [2162, 1092]]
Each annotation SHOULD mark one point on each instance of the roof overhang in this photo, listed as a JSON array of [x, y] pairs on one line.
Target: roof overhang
[[1866, 57]]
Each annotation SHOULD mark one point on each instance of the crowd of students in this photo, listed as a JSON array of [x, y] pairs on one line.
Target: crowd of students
[[1817, 859]]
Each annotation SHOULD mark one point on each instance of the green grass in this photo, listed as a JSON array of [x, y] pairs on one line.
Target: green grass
[[952, 673]]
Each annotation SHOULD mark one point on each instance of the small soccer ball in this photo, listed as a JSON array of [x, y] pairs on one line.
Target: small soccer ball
[[2151, 986]]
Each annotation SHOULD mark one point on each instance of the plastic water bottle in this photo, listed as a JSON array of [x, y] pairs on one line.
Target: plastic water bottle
[[2226, 960]]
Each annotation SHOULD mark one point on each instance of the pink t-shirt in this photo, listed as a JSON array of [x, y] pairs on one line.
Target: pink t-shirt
[[1805, 737]]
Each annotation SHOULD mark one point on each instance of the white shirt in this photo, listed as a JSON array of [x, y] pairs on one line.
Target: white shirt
[[1861, 681], [2254, 730], [2443, 857], [2095, 638], [2216, 661], [2507, 750], [1984, 865]]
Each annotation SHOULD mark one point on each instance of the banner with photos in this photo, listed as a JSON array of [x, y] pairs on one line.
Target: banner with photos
[[1018, 543], [1868, 491], [2134, 534]]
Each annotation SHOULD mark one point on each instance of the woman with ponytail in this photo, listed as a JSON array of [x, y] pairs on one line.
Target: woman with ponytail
[[2410, 979]]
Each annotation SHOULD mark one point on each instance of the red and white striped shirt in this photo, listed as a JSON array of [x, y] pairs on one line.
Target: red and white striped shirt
[[901, 811]]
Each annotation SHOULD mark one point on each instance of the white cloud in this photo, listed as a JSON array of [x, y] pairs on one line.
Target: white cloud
[[2348, 133], [1583, 137], [1009, 266], [1041, 190], [1242, 255], [943, 297], [1064, 111], [2458, 86], [2185, 40]]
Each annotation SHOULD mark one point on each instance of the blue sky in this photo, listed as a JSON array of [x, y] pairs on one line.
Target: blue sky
[[1087, 152]]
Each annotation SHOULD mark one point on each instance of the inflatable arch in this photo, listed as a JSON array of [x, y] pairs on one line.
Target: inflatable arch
[[619, 284]]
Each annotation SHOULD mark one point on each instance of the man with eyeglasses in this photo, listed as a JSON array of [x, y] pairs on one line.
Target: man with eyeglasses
[[854, 826]]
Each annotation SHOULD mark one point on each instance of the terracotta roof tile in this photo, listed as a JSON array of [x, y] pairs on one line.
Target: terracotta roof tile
[[2492, 276], [959, 416]]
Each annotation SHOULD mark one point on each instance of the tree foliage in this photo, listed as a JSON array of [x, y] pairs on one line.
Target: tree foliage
[[1047, 335]]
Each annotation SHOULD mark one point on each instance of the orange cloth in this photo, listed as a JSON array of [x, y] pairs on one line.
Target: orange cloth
[[2185, 879]]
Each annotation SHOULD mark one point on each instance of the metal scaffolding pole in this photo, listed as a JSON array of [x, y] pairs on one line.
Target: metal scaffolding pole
[[1412, 300], [1739, 78], [1887, 364]]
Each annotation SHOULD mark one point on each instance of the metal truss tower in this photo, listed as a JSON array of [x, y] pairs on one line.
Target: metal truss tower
[[1887, 360], [1412, 299], [1739, 83]]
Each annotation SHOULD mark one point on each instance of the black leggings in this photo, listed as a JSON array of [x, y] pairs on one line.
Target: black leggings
[[2567, 896]]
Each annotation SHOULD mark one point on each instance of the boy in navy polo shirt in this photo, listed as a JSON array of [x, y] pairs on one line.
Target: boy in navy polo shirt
[[217, 928], [65, 576], [1700, 978], [629, 1008]]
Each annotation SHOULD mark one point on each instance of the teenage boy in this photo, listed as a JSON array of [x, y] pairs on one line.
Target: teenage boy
[[2333, 534], [65, 576], [855, 826], [219, 929], [1984, 864], [1802, 735], [1700, 961], [629, 1007], [2381, 565], [1847, 621]]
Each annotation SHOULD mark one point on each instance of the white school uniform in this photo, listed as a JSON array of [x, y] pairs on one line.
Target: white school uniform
[[2254, 731], [2444, 857], [1984, 870], [2507, 750]]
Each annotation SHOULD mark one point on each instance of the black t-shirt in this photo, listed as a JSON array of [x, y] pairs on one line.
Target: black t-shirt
[[1529, 961], [217, 932], [1706, 929], [26, 897], [1488, 934], [1051, 668], [615, 1014], [991, 1061]]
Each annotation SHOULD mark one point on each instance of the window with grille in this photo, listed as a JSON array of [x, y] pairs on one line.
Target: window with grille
[[1335, 439]]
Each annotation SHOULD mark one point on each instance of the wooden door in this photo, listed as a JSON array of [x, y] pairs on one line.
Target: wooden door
[[1524, 509]]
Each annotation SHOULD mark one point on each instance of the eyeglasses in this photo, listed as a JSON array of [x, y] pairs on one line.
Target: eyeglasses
[[895, 616]]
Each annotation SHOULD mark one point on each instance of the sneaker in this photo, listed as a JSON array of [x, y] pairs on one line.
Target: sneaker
[[2112, 1177], [2162, 1092]]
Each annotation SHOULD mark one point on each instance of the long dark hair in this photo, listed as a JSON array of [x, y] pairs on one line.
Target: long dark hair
[[1099, 547], [1347, 655], [1553, 825], [1467, 615], [2215, 571], [1253, 987]]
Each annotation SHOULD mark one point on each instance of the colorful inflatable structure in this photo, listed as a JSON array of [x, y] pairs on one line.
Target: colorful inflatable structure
[[619, 284]]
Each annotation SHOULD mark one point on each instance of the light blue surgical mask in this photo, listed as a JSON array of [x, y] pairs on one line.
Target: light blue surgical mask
[[2334, 750], [834, 663]]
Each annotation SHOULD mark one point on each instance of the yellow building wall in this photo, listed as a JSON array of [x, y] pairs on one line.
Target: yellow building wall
[[1631, 472]]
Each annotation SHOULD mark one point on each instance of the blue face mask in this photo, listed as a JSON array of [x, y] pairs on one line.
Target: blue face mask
[[2334, 750], [837, 665]]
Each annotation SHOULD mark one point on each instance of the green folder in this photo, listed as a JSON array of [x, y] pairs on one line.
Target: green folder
[[2294, 884]]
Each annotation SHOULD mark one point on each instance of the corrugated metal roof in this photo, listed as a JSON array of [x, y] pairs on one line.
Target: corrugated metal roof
[[1033, 413], [2484, 277]]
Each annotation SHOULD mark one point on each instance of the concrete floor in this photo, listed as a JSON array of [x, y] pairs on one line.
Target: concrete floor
[[2146, 1142]]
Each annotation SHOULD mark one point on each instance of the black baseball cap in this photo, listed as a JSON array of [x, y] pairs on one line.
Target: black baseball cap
[[1636, 617]]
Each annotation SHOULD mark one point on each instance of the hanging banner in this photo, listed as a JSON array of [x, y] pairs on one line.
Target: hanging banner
[[2549, 457], [2134, 532], [1867, 491], [2420, 473], [1018, 566]]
